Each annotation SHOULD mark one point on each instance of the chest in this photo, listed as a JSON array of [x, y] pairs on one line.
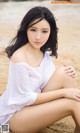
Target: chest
[[36, 78]]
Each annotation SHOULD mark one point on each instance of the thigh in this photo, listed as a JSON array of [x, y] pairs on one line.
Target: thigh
[[33, 118], [59, 80]]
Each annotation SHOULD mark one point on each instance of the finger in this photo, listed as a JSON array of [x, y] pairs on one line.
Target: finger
[[78, 93], [77, 98], [69, 69], [70, 75]]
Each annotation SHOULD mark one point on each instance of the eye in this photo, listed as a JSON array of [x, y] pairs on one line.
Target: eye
[[33, 30], [45, 31]]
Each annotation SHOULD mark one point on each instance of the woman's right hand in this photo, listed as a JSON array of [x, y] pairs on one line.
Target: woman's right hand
[[72, 93]]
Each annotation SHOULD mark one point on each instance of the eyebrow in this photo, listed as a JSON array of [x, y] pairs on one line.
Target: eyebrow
[[42, 28]]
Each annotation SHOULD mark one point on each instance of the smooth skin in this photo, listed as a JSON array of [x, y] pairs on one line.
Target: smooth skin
[[59, 98]]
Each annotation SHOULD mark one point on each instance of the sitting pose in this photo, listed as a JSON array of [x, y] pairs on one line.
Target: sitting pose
[[38, 94]]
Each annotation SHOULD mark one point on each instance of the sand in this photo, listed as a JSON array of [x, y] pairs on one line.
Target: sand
[[68, 22]]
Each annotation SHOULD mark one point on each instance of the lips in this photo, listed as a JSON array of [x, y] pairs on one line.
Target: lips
[[37, 42]]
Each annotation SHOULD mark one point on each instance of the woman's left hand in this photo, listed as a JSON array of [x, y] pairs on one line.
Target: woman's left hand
[[70, 71]]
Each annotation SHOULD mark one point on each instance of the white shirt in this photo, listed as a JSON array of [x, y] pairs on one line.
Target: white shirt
[[24, 84]]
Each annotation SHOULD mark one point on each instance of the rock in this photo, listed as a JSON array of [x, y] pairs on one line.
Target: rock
[[65, 125]]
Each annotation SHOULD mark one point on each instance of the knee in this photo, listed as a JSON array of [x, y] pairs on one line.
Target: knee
[[61, 68], [61, 71], [67, 81]]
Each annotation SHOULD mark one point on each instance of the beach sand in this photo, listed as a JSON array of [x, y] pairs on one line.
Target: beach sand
[[68, 22]]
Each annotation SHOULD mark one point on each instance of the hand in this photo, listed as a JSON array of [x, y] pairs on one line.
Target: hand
[[70, 71], [72, 93]]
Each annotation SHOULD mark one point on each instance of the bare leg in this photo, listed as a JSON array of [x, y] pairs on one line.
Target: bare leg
[[33, 118], [60, 80]]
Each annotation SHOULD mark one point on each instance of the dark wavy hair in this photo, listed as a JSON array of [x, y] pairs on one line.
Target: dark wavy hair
[[21, 39]]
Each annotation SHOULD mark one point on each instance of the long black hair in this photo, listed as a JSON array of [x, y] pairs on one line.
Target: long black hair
[[21, 39]]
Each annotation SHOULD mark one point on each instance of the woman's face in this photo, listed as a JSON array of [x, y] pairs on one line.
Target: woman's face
[[38, 33]]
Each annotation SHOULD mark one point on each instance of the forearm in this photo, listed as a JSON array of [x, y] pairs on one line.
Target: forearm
[[49, 96]]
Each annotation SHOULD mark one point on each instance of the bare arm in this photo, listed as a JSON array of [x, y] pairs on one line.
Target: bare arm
[[49, 96], [70, 93]]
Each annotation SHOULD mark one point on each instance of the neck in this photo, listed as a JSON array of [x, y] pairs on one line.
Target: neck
[[33, 51]]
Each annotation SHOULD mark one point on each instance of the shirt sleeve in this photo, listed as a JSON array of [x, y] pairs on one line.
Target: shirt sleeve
[[22, 92]]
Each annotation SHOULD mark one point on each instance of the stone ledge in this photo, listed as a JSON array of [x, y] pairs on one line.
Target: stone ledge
[[65, 125]]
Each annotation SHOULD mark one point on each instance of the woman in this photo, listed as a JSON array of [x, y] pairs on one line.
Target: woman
[[37, 93]]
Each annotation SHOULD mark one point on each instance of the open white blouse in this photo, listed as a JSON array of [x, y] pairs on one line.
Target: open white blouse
[[24, 84]]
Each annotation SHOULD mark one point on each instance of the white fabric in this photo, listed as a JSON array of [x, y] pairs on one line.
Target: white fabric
[[24, 84]]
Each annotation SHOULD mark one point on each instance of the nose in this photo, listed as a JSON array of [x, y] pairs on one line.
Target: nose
[[38, 35]]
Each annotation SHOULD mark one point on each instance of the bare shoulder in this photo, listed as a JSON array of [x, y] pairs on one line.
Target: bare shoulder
[[18, 56]]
